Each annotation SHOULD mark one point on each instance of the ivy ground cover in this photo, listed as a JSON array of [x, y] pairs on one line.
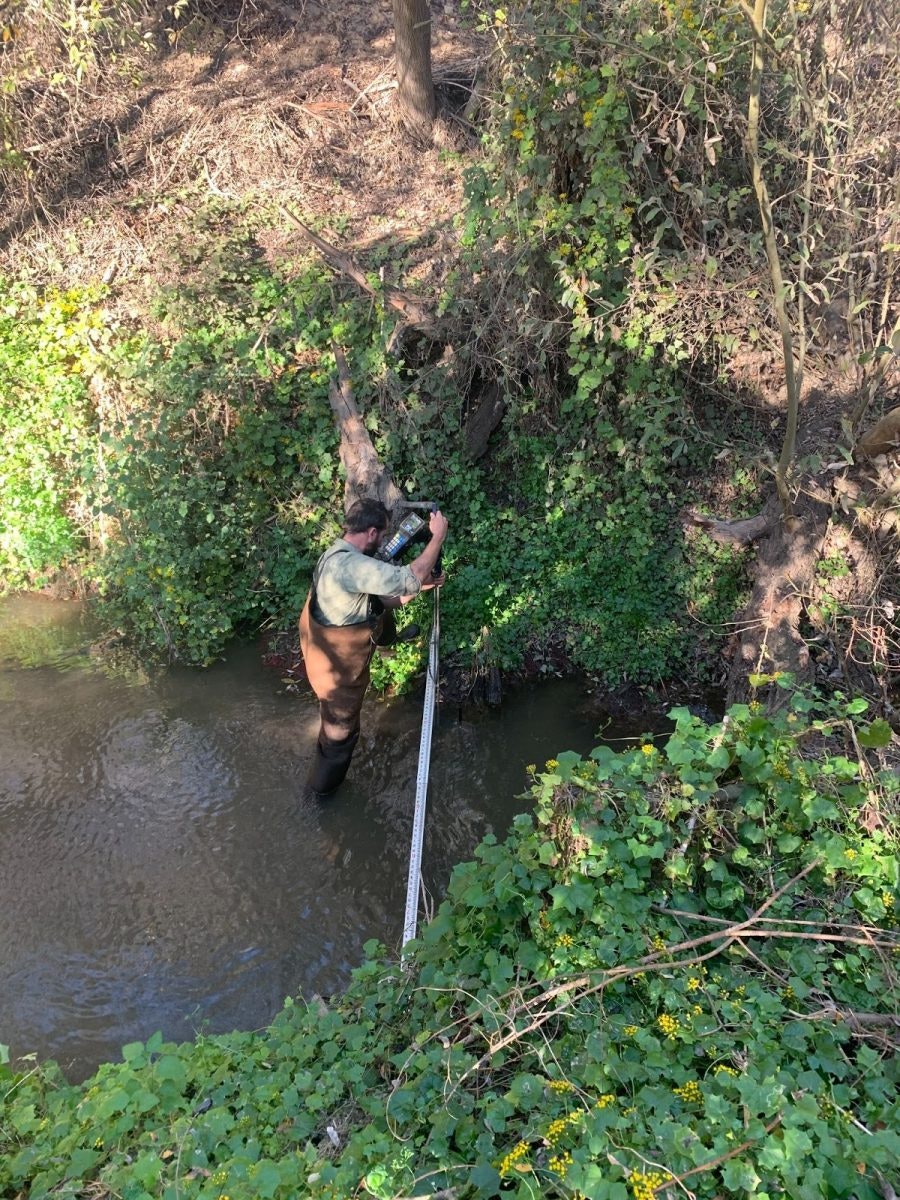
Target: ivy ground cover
[[676, 977]]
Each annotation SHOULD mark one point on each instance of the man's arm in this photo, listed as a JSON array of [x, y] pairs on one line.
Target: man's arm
[[422, 566]]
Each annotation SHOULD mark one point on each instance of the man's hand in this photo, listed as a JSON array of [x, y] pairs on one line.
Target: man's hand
[[434, 582], [422, 566], [438, 524]]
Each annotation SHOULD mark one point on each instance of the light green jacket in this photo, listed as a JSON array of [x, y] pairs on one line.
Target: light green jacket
[[345, 579]]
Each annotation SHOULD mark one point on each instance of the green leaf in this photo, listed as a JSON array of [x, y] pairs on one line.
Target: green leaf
[[876, 735], [486, 1179], [266, 1178], [133, 1053], [170, 1067], [720, 758], [81, 1162]]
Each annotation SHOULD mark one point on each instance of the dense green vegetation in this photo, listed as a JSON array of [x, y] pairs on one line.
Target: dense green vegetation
[[168, 437], [201, 482], [678, 972], [46, 351], [678, 975]]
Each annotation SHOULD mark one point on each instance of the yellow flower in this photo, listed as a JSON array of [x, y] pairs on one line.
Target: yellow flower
[[560, 1085], [646, 748], [689, 1092], [693, 983], [669, 1025], [851, 854], [605, 1100], [555, 1130], [643, 1185], [630, 1030], [560, 1163], [565, 940], [551, 764], [518, 1152]]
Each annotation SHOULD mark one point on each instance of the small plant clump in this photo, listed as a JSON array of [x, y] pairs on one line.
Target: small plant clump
[[679, 973]]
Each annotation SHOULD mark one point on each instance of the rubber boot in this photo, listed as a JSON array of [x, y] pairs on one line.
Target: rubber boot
[[331, 761]]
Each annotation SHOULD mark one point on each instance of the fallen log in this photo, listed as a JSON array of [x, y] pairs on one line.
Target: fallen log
[[882, 438], [770, 638], [366, 476], [736, 533]]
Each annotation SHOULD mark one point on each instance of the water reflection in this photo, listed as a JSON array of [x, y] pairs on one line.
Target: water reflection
[[160, 866]]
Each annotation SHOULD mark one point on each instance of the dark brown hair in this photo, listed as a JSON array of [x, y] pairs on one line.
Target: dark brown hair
[[366, 514]]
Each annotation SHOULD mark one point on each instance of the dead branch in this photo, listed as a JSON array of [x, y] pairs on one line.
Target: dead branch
[[717, 1162], [588, 984], [859, 1022], [736, 533], [413, 311]]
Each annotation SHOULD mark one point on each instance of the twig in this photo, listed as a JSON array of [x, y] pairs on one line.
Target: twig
[[717, 1162], [648, 962], [410, 308], [683, 912]]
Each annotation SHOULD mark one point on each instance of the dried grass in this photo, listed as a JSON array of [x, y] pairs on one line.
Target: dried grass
[[297, 111]]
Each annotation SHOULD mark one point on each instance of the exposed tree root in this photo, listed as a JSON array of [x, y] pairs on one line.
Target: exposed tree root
[[770, 639]]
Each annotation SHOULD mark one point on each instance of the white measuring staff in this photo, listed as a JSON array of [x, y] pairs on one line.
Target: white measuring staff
[[418, 830]]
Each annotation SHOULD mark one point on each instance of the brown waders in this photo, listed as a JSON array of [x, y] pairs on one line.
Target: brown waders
[[337, 661]]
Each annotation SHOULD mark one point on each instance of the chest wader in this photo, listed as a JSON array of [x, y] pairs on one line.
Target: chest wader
[[337, 661]]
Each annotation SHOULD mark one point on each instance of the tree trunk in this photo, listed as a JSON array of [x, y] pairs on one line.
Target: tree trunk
[[366, 476], [769, 636], [412, 53]]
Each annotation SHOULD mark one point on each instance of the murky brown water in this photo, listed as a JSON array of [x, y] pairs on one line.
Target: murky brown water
[[159, 866]]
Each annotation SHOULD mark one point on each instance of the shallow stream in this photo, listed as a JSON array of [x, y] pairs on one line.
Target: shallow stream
[[159, 865]]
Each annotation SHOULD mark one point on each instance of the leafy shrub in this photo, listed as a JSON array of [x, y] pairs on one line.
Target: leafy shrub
[[219, 464], [677, 972], [48, 348]]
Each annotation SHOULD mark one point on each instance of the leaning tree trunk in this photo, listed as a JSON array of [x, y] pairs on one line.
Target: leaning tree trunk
[[366, 476], [412, 53]]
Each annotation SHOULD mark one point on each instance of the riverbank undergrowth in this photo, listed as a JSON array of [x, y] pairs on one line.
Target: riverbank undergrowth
[[678, 973]]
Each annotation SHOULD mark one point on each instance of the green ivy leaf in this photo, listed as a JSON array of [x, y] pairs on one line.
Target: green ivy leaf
[[876, 735]]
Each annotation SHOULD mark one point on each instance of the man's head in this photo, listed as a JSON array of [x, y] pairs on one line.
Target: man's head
[[365, 524]]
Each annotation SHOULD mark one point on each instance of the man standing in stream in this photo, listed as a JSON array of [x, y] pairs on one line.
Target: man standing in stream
[[346, 615]]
